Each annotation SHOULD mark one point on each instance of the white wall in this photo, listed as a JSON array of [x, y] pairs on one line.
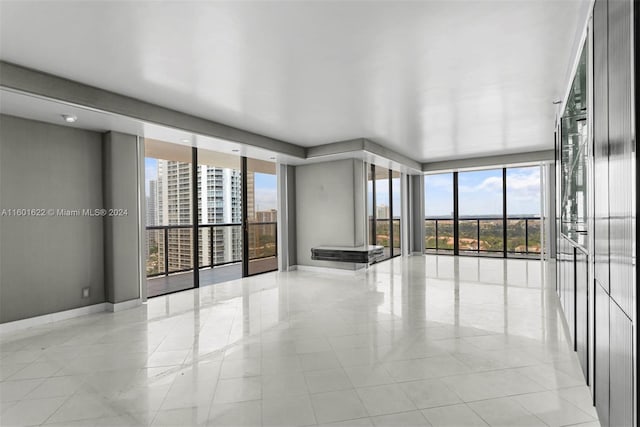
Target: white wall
[[330, 208]]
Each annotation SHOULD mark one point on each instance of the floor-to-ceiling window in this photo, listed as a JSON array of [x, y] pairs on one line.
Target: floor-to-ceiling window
[[219, 192], [384, 209], [210, 210], [169, 231], [262, 216], [493, 212], [480, 205], [438, 208], [396, 211], [523, 210], [383, 214]]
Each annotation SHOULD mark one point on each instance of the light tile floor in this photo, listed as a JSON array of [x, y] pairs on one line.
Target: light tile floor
[[419, 341]]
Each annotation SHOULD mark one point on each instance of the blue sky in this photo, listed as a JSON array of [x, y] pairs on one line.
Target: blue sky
[[150, 171], [382, 194], [265, 191], [480, 192]]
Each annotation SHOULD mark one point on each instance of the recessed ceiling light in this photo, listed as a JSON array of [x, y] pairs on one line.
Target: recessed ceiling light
[[272, 158], [69, 118], [235, 150], [185, 140]]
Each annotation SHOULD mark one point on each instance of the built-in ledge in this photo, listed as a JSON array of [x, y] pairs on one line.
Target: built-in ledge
[[356, 254]]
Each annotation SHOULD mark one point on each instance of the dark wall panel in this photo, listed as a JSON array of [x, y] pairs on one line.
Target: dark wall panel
[[601, 143], [582, 311], [621, 367], [601, 381], [612, 192], [621, 156]]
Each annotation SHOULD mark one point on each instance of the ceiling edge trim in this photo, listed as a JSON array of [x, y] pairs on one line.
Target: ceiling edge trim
[[333, 148], [375, 148], [488, 161], [26, 80], [362, 145]]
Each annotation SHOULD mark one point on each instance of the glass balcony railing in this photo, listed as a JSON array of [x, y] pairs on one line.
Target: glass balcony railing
[[262, 246], [396, 235], [263, 241], [484, 235], [220, 244], [468, 235], [383, 229], [169, 247], [439, 234], [523, 235]]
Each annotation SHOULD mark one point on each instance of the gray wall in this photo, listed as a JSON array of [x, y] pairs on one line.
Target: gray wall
[[121, 245], [329, 208], [287, 198], [417, 214], [46, 261]]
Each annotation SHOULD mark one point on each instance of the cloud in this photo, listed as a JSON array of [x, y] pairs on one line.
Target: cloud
[[493, 183], [520, 183], [524, 185], [469, 182]]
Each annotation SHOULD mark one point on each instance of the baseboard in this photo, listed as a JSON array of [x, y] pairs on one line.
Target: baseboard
[[18, 325], [22, 324], [292, 268], [125, 305]]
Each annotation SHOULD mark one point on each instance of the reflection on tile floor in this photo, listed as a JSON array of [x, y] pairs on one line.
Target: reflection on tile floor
[[424, 340]]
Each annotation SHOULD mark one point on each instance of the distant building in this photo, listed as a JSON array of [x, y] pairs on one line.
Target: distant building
[[219, 202], [270, 215], [382, 211]]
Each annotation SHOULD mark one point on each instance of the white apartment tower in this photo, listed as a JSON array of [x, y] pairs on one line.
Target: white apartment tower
[[219, 202]]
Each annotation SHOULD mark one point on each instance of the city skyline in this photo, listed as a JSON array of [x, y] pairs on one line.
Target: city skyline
[[264, 185]]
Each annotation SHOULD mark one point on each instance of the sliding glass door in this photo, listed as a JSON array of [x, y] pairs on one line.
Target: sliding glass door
[[383, 215], [384, 207], [220, 206], [169, 217], [219, 216], [262, 217], [396, 211]]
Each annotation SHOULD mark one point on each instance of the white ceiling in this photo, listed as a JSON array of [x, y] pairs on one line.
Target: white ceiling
[[429, 79]]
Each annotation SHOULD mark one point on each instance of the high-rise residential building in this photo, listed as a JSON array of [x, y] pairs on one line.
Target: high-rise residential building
[[251, 200], [152, 203], [382, 211], [219, 202], [174, 208], [270, 215], [152, 216]]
